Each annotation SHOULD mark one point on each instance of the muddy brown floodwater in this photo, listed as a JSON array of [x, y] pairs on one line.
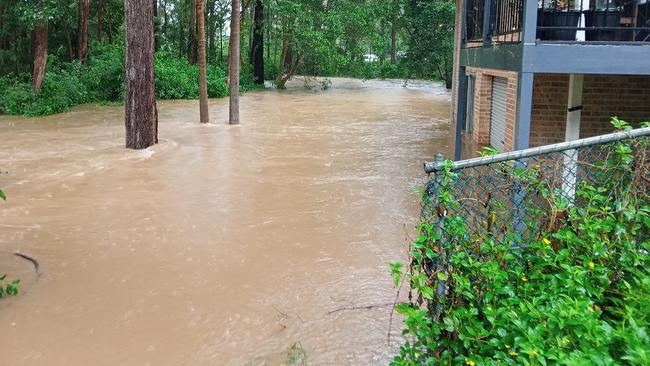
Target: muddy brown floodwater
[[221, 245]]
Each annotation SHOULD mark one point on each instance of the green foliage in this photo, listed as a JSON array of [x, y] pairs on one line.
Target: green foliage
[[8, 289], [102, 80], [577, 295], [175, 78], [431, 39], [104, 76]]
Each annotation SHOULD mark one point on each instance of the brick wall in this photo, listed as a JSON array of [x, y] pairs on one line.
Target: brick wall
[[604, 96], [483, 105]]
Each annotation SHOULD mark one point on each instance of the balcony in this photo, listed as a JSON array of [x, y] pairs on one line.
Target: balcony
[[605, 21], [559, 21]]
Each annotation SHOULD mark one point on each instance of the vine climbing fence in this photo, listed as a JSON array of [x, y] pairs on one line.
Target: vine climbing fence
[[511, 198]]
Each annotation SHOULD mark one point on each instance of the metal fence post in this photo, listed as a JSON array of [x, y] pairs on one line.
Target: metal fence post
[[441, 262]]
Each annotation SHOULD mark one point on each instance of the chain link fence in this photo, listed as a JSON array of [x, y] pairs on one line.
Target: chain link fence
[[514, 197]]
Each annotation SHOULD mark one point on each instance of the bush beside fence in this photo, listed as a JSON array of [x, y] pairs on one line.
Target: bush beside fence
[[534, 261]]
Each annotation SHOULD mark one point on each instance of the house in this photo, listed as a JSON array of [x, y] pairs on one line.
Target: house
[[529, 73]]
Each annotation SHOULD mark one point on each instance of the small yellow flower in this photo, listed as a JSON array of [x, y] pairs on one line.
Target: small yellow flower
[[565, 340], [591, 265], [524, 278], [513, 353], [470, 362], [507, 346], [533, 352], [591, 309], [546, 241]]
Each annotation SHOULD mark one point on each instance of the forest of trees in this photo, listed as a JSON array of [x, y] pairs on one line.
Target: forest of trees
[[55, 54]]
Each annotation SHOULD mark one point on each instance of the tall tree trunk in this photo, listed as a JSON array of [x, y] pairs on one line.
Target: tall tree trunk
[[268, 36], [234, 62], [156, 31], [283, 55], [211, 30], [203, 82], [108, 26], [166, 19], [40, 55], [68, 39], [257, 48], [192, 56], [100, 16], [181, 28], [82, 49], [393, 45], [141, 115], [220, 44]]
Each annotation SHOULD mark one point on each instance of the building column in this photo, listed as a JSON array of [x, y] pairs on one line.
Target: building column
[[461, 104], [524, 110], [573, 117]]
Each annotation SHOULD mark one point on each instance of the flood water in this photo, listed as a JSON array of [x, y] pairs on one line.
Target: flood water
[[221, 245]]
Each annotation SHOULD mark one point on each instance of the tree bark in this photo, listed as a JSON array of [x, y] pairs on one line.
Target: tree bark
[[100, 18], [166, 19], [84, 8], [40, 56], [203, 82], [211, 30], [192, 56], [234, 62], [108, 27], [181, 34], [393, 45], [156, 31], [141, 115], [257, 48], [68, 39]]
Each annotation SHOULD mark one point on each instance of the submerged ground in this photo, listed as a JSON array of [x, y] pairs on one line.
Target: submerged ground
[[221, 245]]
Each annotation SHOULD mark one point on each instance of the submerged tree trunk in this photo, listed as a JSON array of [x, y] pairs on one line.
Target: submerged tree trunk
[[141, 115], [40, 56], [393, 45], [100, 16], [82, 49], [203, 82], [257, 48], [234, 62]]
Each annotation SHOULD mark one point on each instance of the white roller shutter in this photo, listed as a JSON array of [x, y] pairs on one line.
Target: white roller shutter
[[498, 114]]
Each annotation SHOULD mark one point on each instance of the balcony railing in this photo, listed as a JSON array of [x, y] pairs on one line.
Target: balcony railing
[[569, 21], [608, 21], [505, 20]]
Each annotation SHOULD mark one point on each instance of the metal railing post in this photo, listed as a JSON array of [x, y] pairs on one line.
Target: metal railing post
[[441, 261]]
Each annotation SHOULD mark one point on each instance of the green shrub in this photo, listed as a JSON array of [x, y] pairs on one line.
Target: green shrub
[[217, 87], [578, 295], [175, 78], [15, 98], [104, 76], [60, 91]]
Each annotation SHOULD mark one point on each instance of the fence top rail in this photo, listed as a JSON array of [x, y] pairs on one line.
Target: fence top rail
[[438, 163]]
